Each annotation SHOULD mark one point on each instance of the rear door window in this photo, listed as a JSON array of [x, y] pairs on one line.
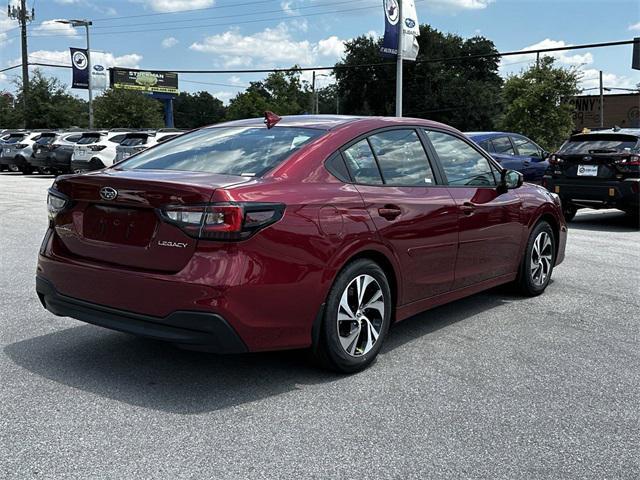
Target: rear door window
[[462, 164], [73, 138], [362, 164], [117, 138], [87, 139], [525, 147], [401, 158], [133, 141], [502, 146]]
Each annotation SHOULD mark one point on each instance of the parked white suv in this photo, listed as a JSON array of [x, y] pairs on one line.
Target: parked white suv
[[17, 149], [138, 141], [95, 150]]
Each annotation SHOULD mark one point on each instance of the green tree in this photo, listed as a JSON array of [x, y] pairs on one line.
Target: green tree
[[537, 103], [126, 108], [8, 114], [463, 93], [49, 105], [285, 93], [193, 110]]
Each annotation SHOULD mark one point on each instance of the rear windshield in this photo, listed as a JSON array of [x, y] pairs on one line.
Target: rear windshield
[[14, 138], [133, 141], [87, 139], [248, 151], [46, 139], [599, 143]]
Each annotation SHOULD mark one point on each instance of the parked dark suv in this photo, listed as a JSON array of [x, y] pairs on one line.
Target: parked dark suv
[[597, 170]]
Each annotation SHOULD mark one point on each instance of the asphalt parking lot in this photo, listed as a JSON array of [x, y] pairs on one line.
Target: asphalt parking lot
[[493, 386]]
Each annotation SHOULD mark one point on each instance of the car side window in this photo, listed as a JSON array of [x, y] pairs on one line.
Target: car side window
[[73, 138], [402, 158], [503, 146], [362, 164], [462, 164], [117, 138], [487, 146], [525, 147]]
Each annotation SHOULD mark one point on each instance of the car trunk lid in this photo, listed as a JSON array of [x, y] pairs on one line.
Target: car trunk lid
[[113, 217]]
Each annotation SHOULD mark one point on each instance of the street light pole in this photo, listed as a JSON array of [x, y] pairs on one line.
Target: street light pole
[[399, 64]]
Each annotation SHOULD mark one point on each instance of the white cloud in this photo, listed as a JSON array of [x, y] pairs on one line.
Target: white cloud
[[52, 27], [270, 46], [169, 42], [460, 4], [225, 96], [235, 80], [331, 47], [177, 5], [85, 3], [591, 79], [635, 27], [562, 57], [6, 24]]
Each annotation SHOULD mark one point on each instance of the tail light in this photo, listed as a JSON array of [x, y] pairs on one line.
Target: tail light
[[630, 160], [55, 146], [20, 145], [223, 221], [56, 203], [554, 159], [97, 148]]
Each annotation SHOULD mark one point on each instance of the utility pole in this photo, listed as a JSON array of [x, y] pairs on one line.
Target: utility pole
[[601, 102], [313, 93], [399, 63], [21, 14]]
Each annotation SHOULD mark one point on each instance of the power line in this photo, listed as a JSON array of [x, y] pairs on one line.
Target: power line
[[191, 27], [10, 68], [342, 2]]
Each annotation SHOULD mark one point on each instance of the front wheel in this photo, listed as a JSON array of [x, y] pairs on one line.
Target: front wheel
[[356, 318], [539, 258]]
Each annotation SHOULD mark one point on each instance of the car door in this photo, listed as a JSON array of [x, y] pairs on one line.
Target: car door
[[490, 228], [413, 216], [534, 164]]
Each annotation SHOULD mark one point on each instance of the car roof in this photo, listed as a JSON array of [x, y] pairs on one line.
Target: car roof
[[612, 131], [330, 122], [485, 135]]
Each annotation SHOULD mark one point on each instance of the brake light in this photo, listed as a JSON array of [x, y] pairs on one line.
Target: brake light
[[223, 221], [554, 159], [97, 148], [20, 145], [630, 160], [56, 202]]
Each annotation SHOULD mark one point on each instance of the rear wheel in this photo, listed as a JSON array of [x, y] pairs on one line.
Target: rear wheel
[[539, 258], [356, 318]]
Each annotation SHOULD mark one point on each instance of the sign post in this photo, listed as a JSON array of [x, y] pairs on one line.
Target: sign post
[[399, 65]]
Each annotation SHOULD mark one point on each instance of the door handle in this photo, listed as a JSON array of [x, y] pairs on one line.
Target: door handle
[[390, 212], [468, 208], [526, 163]]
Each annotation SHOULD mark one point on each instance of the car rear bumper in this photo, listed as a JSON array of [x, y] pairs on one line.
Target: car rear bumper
[[92, 164], [51, 160], [201, 330], [596, 193]]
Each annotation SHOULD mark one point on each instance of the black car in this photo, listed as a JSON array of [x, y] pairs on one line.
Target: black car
[[52, 152], [597, 170]]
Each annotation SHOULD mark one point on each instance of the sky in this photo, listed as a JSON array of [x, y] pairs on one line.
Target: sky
[[241, 34]]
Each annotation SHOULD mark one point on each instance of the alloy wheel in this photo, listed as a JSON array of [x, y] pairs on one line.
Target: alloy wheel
[[360, 315], [541, 258]]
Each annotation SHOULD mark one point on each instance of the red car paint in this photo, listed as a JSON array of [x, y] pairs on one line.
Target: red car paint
[[446, 243]]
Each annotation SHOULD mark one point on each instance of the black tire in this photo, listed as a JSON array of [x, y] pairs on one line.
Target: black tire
[[634, 213], [329, 351], [569, 210], [532, 282], [26, 170]]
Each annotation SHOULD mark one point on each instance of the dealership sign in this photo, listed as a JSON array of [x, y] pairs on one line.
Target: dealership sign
[[144, 81], [80, 67], [394, 26]]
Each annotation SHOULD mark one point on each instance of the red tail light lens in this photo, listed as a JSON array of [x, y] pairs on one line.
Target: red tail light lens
[[630, 160], [554, 159], [223, 221]]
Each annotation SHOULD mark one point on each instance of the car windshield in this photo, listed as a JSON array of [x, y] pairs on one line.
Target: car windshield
[[599, 143], [247, 151], [87, 139]]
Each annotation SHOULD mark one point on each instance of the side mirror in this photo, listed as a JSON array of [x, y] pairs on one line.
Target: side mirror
[[510, 179]]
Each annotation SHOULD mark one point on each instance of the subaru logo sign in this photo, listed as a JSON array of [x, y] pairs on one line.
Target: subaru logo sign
[[108, 193], [98, 68], [409, 23]]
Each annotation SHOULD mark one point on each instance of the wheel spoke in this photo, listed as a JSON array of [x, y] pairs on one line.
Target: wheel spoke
[[372, 335], [350, 342], [344, 305], [362, 282]]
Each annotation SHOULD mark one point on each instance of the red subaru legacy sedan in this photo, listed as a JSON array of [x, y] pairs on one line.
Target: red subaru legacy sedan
[[305, 231]]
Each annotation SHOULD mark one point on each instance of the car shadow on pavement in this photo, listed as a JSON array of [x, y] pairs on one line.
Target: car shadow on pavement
[[605, 221], [161, 377]]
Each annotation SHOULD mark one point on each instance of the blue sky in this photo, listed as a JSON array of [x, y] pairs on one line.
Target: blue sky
[[235, 34]]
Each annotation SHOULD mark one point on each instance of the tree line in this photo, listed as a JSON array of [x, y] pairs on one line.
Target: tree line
[[442, 85]]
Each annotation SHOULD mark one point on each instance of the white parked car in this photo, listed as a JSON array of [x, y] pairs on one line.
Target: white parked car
[[138, 141], [17, 149], [95, 150]]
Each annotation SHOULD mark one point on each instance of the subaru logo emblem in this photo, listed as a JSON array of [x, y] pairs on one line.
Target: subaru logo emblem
[[410, 23], [587, 158], [108, 193]]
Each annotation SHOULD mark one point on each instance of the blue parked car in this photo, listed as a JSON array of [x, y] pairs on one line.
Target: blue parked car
[[514, 152]]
